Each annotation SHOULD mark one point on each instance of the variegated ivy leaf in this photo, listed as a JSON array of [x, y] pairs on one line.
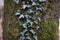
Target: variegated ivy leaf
[[24, 6], [23, 2], [40, 9], [34, 18], [37, 27], [22, 38], [23, 33], [34, 34], [30, 11], [37, 4], [25, 30], [21, 16], [17, 12], [37, 13], [32, 31], [42, 0], [35, 37], [27, 16], [27, 34], [16, 1], [36, 22], [28, 20], [33, 0], [39, 18], [29, 23], [33, 3], [28, 6], [25, 25], [21, 23], [29, 38]]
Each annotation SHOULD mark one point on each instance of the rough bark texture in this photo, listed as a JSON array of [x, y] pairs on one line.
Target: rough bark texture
[[10, 27]]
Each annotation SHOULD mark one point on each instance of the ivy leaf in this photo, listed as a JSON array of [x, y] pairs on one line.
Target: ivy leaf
[[42, 0], [39, 8], [29, 23], [28, 38], [36, 22], [35, 37], [33, 32], [21, 16], [39, 18], [33, 0], [16, 1], [25, 25], [18, 12], [30, 11], [33, 3], [37, 27], [28, 6], [24, 6]]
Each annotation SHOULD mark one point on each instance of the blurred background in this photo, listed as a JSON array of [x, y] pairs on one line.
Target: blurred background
[[1, 17]]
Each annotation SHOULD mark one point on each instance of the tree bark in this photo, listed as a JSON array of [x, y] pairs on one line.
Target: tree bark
[[11, 30]]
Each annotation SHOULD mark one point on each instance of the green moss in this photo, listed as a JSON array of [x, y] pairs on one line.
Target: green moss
[[49, 31]]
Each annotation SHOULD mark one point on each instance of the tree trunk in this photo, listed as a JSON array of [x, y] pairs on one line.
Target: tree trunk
[[48, 26]]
